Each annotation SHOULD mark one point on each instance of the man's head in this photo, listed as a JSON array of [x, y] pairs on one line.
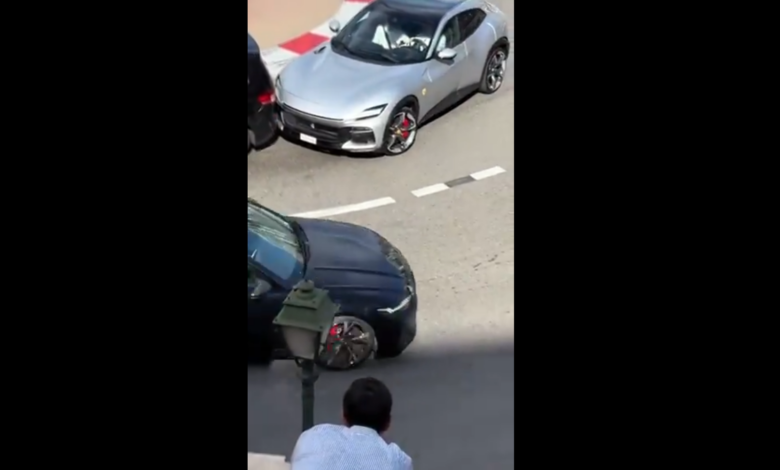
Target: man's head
[[368, 403]]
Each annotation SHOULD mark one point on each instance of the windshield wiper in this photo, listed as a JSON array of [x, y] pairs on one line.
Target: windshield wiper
[[364, 52], [383, 55], [343, 45]]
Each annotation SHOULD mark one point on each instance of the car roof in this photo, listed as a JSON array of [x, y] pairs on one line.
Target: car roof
[[423, 7]]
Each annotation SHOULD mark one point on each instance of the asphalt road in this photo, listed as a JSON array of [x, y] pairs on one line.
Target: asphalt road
[[453, 388]]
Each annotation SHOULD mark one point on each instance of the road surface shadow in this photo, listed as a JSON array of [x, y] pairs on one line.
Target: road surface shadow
[[453, 407]]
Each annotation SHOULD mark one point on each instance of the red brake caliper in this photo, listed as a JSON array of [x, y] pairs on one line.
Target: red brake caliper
[[404, 126], [334, 335]]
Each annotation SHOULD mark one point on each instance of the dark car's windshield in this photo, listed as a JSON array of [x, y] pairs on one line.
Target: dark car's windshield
[[385, 35], [272, 243]]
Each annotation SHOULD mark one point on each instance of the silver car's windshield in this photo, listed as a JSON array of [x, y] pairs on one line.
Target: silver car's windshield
[[383, 35], [272, 243]]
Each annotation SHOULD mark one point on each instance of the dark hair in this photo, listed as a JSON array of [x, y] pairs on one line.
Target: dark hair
[[368, 403]]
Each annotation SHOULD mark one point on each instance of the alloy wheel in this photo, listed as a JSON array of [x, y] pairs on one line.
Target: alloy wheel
[[348, 345], [495, 70], [401, 132]]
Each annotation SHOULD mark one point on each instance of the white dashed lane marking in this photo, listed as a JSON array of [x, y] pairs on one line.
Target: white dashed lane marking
[[480, 175], [384, 201], [361, 206], [439, 187], [430, 189]]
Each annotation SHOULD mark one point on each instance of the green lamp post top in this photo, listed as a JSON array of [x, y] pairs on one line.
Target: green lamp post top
[[304, 295], [308, 308]]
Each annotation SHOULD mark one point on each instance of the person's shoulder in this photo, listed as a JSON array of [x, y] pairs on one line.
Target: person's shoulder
[[402, 459], [317, 436], [326, 428], [321, 429]]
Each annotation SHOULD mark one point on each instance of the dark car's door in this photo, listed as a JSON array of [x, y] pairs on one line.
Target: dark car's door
[[264, 300]]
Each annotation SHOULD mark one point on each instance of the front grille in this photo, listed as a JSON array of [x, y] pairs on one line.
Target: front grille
[[332, 135], [306, 115], [314, 128], [362, 135]]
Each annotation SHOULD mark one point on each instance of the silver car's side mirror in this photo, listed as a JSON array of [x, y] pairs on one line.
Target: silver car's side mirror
[[447, 54], [334, 26]]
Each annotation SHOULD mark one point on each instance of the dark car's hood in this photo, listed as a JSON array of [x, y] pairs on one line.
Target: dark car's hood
[[349, 260]]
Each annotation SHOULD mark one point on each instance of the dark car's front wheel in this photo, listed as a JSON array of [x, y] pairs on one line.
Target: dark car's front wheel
[[401, 130], [350, 343]]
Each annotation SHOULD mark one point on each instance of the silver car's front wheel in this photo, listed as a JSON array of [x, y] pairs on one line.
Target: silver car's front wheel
[[401, 131]]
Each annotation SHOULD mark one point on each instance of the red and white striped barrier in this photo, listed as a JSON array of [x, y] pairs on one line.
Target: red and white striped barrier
[[277, 57]]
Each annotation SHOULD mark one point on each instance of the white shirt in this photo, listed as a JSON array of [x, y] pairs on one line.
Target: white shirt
[[334, 447]]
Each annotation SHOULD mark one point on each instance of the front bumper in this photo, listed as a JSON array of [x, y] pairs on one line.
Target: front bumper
[[395, 331], [364, 135]]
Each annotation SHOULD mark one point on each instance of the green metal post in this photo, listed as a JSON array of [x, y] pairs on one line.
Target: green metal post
[[309, 376]]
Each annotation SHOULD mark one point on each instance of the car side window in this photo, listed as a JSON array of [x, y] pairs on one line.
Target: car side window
[[469, 21], [450, 35]]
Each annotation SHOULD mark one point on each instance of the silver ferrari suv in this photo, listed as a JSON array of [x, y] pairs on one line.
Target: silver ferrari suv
[[396, 64]]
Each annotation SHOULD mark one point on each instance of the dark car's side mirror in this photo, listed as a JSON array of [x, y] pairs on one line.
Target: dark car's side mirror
[[260, 289]]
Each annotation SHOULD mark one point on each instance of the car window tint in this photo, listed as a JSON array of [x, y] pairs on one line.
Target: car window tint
[[450, 35], [469, 21]]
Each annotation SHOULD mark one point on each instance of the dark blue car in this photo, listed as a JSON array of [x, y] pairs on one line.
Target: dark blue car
[[365, 274]]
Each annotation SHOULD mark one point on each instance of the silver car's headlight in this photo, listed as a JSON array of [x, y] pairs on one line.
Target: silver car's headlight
[[404, 303], [370, 112]]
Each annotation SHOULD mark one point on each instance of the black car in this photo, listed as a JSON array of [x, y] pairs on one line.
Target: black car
[[261, 100], [364, 273]]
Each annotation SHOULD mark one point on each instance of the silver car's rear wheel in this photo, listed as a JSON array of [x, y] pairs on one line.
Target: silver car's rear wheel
[[495, 68], [401, 131]]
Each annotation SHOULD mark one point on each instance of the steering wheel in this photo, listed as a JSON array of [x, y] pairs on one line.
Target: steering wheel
[[417, 43]]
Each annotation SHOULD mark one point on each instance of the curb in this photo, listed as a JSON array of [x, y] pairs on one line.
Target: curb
[[267, 462], [277, 57]]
